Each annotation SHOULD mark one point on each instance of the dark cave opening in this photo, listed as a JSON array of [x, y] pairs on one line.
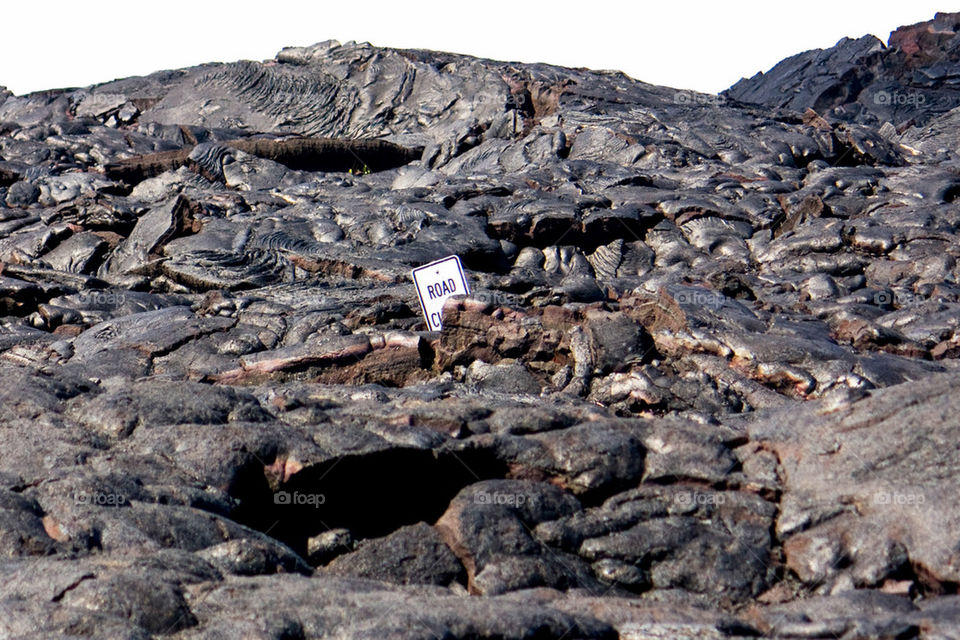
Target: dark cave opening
[[371, 495]]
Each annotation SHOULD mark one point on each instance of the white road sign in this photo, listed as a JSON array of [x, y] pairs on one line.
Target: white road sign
[[435, 283]]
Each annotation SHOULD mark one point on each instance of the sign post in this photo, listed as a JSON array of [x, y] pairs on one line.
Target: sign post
[[435, 283]]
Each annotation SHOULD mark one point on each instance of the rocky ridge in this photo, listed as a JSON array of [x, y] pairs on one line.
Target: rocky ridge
[[703, 387]]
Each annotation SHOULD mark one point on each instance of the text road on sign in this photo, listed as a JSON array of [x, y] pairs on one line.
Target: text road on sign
[[435, 283]]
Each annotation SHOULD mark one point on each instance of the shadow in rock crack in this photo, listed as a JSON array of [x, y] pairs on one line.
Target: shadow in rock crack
[[372, 495]]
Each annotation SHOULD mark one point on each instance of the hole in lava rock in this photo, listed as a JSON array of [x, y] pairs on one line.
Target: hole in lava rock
[[951, 194], [372, 495], [485, 260], [925, 584]]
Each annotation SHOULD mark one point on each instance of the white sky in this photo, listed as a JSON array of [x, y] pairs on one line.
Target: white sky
[[705, 46]]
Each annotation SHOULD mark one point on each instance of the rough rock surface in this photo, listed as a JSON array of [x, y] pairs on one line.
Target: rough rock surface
[[704, 386]]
